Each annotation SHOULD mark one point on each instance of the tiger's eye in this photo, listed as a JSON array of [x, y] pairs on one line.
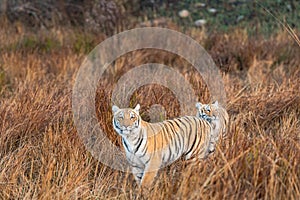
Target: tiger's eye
[[132, 117]]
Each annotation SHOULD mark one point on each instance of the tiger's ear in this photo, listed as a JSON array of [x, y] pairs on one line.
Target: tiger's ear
[[115, 109], [198, 105], [137, 108], [216, 103]]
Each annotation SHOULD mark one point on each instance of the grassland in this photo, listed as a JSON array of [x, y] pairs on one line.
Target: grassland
[[42, 157]]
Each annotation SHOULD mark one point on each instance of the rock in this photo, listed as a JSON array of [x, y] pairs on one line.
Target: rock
[[200, 22], [200, 5], [240, 18], [212, 10], [184, 13]]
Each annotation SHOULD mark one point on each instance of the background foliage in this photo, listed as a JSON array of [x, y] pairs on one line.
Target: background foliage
[[42, 44]]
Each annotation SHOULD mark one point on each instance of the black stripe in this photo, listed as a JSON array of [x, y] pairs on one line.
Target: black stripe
[[126, 146], [180, 135], [170, 153], [192, 146], [147, 161], [141, 140], [170, 122], [162, 134], [144, 151], [168, 132], [200, 131], [116, 124], [135, 166], [183, 123], [174, 138], [195, 139], [171, 140], [181, 130], [190, 133], [176, 122]]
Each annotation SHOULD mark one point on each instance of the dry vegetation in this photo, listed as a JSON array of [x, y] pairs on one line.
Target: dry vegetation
[[41, 155]]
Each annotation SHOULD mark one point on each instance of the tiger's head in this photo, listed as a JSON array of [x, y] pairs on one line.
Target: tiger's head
[[213, 113], [126, 120], [205, 111]]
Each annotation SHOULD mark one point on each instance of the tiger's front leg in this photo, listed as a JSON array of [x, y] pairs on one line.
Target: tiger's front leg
[[148, 179], [151, 171], [138, 173]]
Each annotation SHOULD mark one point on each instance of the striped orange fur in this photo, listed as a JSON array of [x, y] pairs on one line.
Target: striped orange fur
[[217, 116], [150, 146]]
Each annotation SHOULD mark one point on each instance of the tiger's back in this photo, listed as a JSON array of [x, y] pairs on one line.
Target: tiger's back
[[185, 136]]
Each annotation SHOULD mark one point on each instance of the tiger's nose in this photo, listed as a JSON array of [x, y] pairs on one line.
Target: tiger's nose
[[126, 127]]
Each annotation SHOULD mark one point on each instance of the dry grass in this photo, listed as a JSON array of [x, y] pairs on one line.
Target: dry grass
[[43, 157]]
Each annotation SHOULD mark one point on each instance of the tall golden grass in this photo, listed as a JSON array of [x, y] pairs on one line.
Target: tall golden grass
[[42, 157]]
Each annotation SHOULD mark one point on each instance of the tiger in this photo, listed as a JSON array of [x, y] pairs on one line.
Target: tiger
[[217, 116], [150, 146]]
